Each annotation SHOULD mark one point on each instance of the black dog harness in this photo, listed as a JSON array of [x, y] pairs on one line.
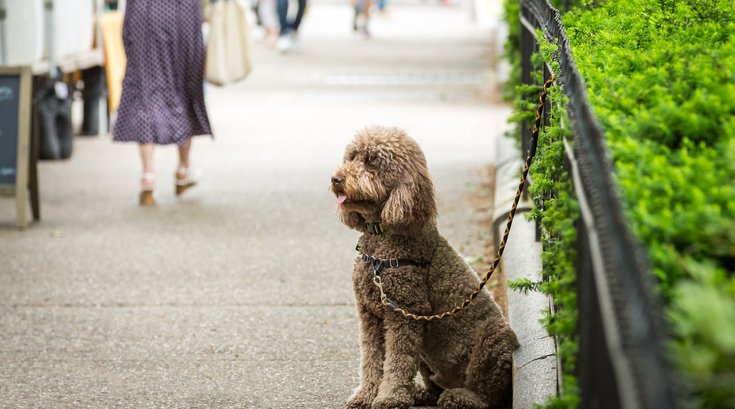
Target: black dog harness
[[379, 264]]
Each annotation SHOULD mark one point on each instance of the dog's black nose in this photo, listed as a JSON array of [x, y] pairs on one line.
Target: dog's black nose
[[337, 180]]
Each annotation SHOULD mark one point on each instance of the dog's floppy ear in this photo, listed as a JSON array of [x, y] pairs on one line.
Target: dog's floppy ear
[[411, 203]]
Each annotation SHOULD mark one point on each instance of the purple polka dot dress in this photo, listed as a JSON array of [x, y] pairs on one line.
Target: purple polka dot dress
[[162, 98]]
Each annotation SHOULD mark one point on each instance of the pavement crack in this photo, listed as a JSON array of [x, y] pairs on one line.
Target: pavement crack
[[536, 359]]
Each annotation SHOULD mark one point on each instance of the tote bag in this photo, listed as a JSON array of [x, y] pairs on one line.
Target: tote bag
[[228, 51]]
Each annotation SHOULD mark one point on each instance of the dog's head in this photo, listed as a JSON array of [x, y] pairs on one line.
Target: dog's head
[[384, 178]]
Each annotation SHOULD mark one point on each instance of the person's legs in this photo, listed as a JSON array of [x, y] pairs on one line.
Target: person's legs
[[285, 42], [366, 5], [148, 181], [299, 15], [269, 14], [185, 177], [357, 7], [184, 155], [146, 155], [282, 7]]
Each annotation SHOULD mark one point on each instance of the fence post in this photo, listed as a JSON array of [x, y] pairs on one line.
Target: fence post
[[528, 48]]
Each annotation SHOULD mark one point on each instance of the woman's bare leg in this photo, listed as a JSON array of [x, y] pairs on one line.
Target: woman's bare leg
[[148, 180], [185, 177], [184, 155], [146, 155]]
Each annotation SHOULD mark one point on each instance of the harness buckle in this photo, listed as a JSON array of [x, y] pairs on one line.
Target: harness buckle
[[393, 263], [377, 265]]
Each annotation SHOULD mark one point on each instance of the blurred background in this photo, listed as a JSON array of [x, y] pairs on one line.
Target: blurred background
[[238, 293]]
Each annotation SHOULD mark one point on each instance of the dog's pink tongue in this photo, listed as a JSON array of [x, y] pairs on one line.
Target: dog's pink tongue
[[341, 198]]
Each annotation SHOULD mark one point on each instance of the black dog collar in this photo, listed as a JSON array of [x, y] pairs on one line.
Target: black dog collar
[[374, 228]]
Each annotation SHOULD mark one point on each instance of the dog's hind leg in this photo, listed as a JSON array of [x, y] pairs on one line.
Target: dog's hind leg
[[428, 393], [372, 354], [490, 370]]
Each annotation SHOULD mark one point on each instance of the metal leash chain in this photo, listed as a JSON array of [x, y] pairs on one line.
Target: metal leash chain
[[378, 281]]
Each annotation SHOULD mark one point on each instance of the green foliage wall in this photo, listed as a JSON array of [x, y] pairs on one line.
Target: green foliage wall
[[511, 48], [661, 78]]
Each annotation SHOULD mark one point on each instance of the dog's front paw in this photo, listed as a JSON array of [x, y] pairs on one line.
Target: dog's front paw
[[392, 403], [460, 398], [360, 400]]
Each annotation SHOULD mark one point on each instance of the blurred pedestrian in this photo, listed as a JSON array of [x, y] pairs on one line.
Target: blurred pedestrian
[[289, 29], [362, 16], [162, 98], [383, 6], [267, 14]]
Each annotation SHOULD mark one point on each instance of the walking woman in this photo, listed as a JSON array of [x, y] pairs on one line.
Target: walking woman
[[162, 98]]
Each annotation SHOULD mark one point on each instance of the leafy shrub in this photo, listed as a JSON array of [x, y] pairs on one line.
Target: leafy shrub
[[660, 75], [511, 47], [552, 191]]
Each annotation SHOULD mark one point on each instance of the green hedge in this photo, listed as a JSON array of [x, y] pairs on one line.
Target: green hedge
[[660, 75]]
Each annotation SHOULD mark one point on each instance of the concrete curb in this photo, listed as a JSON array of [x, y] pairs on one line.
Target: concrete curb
[[535, 366]]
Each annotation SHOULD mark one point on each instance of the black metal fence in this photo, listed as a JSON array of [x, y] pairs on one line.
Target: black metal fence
[[621, 361]]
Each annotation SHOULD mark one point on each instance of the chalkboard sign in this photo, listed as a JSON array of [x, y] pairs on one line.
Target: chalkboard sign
[[9, 110], [15, 126]]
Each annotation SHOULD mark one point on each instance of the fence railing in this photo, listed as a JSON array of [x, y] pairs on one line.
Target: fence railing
[[621, 361]]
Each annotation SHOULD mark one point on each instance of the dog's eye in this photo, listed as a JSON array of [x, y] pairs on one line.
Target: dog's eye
[[373, 160]]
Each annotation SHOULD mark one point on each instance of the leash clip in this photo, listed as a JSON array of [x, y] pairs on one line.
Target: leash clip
[[378, 281]]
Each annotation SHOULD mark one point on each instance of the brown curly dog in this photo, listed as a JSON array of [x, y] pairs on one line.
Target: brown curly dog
[[384, 190]]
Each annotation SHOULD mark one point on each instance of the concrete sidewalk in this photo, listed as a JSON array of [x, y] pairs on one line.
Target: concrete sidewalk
[[239, 294]]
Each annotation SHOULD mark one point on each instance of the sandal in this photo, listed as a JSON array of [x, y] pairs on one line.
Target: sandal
[[146, 190], [186, 178]]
